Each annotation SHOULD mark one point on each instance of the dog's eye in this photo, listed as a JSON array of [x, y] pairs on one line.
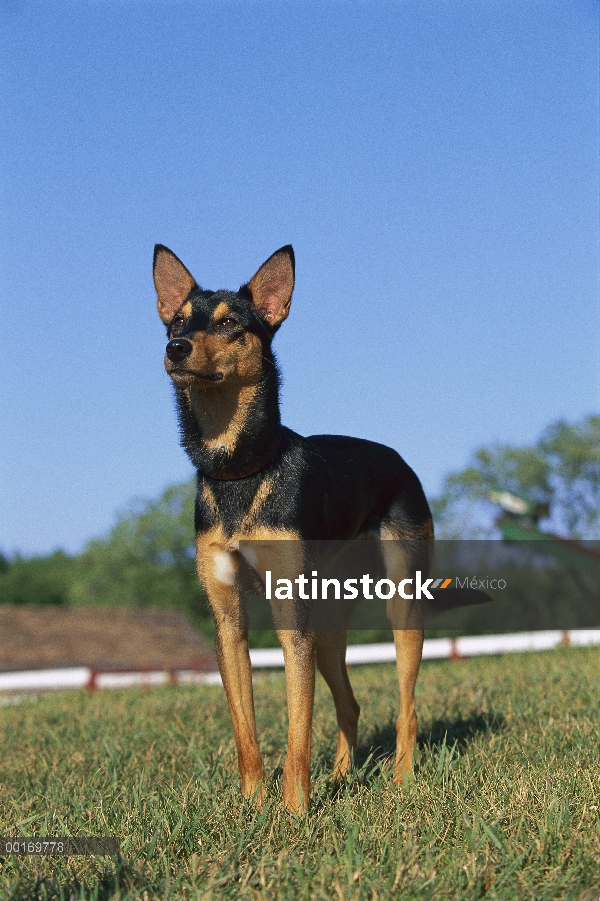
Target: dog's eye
[[177, 322], [229, 321]]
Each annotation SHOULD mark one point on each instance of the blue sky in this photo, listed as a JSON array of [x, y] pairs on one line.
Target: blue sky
[[434, 164]]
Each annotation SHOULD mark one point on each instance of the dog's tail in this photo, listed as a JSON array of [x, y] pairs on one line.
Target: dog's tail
[[450, 598]]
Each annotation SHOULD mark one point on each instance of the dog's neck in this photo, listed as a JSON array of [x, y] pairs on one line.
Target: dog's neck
[[231, 431]]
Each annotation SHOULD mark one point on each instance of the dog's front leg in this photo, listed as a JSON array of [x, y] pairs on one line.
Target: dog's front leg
[[291, 617], [231, 647], [217, 568], [299, 651]]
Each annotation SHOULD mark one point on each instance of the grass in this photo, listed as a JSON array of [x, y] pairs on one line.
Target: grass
[[503, 804]]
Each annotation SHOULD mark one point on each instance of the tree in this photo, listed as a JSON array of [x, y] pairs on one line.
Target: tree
[[37, 580], [561, 471], [147, 559]]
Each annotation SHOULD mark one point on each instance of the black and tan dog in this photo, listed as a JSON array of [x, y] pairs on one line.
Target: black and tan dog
[[258, 480]]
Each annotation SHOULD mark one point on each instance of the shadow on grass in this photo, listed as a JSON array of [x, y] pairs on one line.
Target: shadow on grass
[[380, 745], [459, 731], [376, 753]]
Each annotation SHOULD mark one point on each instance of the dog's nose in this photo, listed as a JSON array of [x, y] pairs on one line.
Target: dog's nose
[[178, 349]]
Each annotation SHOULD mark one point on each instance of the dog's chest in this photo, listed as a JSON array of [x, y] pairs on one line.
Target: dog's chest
[[241, 509]]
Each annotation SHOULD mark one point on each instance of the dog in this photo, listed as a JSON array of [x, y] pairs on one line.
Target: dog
[[260, 481]]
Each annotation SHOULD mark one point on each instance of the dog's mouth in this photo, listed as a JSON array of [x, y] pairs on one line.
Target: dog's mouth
[[185, 376]]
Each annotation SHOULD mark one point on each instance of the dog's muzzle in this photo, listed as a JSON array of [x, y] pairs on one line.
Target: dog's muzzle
[[178, 349]]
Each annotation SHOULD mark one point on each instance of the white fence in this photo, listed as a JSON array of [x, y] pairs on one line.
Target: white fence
[[272, 658]]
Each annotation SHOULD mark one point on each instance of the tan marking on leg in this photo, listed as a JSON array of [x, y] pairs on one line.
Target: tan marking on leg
[[299, 653], [331, 661], [409, 647], [282, 552], [407, 623], [231, 647], [278, 548]]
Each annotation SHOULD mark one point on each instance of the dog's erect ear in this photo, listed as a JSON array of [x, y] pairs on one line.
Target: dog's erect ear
[[272, 286], [173, 282]]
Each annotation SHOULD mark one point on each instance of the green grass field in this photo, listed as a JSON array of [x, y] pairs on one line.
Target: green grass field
[[503, 804]]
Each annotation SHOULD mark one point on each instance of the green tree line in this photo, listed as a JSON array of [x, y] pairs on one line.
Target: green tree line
[[146, 560]]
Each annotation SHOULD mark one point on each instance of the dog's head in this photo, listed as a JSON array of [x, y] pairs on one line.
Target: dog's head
[[216, 337]]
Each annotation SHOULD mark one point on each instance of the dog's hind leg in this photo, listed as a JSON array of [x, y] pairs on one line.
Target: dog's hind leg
[[331, 661], [402, 558], [409, 647]]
